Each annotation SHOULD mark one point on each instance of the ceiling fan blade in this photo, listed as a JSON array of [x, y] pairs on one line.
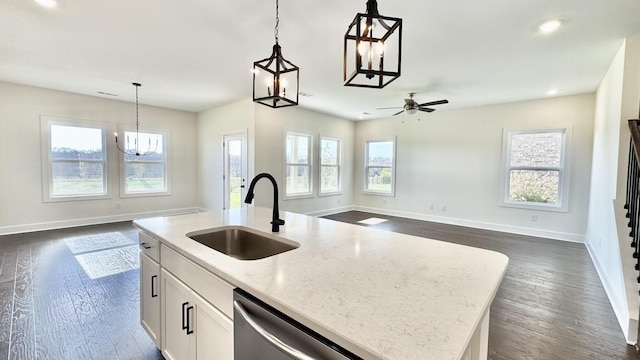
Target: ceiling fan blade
[[439, 102], [387, 108], [427, 109], [398, 113]]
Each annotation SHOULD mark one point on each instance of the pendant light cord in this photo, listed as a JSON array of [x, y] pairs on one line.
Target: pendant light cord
[[275, 31], [137, 122]]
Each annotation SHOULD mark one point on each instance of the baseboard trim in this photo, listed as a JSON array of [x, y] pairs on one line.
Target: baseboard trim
[[330, 211], [8, 230], [619, 307], [477, 224]]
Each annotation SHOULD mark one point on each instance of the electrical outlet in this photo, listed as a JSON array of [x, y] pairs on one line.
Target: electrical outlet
[[534, 217], [443, 207], [117, 205], [432, 207], [339, 200], [384, 201]]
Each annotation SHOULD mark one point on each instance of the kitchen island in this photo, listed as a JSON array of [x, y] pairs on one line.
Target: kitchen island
[[379, 294]]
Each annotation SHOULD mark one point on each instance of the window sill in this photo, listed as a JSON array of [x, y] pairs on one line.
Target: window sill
[[378, 193], [534, 206], [330, 193], [296, 197], [54, 199], [144, 194]]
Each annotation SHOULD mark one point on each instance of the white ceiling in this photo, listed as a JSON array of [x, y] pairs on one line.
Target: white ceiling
[[196, 54]]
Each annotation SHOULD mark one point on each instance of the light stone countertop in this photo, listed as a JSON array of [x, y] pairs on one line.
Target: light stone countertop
[[382, 295]]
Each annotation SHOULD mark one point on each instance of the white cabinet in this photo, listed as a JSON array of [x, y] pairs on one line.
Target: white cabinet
[[193, 328], [149, 297], [175, 295], [185, 309], [214, 331]]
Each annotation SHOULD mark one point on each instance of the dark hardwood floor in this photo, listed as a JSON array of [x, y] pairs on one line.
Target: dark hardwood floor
[[551, 304], [73, 294]]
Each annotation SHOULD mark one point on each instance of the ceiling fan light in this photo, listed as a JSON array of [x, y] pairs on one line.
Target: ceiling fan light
[[412, 111]]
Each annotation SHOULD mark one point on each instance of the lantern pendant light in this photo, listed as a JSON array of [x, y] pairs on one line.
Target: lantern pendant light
[[372, 49], [276, 80]]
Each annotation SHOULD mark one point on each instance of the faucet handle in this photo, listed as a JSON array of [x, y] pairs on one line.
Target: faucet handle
[[278, 222]]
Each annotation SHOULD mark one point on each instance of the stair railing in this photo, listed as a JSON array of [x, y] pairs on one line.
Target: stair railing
[[632, 204]]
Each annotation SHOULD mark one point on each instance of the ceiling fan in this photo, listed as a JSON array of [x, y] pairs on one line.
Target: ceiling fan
[[411, 106]]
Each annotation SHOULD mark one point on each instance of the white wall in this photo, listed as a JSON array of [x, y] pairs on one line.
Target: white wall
[[266, 129], [453, 158], [271, 125], [212, 126], [21, 205], [617, 100]]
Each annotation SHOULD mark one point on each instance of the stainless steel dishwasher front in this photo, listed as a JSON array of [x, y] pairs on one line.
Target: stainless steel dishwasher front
[[262, 332]]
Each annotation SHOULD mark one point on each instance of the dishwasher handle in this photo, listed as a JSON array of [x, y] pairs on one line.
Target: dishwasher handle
[[272, 339]]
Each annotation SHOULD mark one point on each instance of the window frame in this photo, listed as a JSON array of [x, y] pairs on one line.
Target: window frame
[[47, 161], [338, 166], [310, 165], [123, 129], [365, 181], [563, 170]]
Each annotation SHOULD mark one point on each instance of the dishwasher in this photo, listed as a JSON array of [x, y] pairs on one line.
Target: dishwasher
[[262, 332]]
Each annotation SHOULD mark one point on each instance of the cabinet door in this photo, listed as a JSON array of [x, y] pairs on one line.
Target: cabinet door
[[150, 297], [213, 330], [175, 307]]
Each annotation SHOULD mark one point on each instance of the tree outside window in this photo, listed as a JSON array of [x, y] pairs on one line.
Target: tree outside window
[[330, 165], [380, 167], [74, 160], [145, 173], [298, 164], [535, 174]]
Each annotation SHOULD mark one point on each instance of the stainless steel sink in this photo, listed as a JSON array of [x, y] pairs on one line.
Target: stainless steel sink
[[241, 244]]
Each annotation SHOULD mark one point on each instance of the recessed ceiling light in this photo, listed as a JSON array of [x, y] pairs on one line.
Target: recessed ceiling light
[[550, 26], [552, 92], [49, 4]]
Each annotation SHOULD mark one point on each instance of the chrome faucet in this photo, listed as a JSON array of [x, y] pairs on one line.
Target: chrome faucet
[[275, 220]]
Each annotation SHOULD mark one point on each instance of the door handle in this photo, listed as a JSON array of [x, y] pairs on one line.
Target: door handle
[[184, 324], [189, 330], [272, 339], [153, 288]]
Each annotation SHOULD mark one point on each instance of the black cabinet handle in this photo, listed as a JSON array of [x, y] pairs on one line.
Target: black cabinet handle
[[145, 245], [154, 293], [189, 330], [184, 325]]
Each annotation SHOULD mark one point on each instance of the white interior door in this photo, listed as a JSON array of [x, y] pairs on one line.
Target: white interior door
[[235, 170]]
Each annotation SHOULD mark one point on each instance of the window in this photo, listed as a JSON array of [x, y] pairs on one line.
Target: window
[[298, 164], [74, 160], [145, 174], [380, 167], [330, 165], [534, 164]]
